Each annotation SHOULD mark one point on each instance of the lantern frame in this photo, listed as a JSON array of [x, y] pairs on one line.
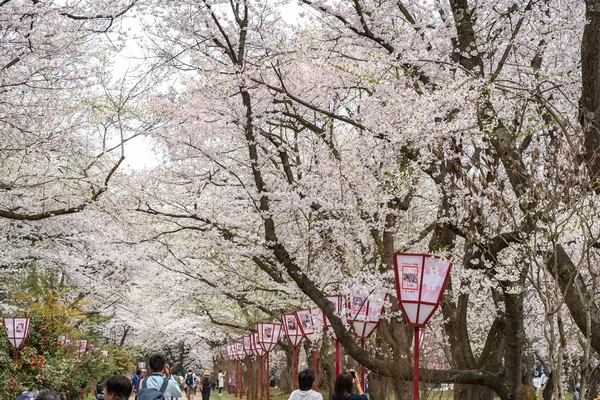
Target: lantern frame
[[339, 308], [246, 343], [267, 342], [417, 311], [16, 339], [258, 349], [231, 351], [312, 333], [364, 324], [294, 338], [239, 351]]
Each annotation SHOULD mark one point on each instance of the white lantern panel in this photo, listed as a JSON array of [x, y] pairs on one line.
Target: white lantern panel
[[425, 311], [359, 328], [411, 311], [306, 322], [408, 270], [434, 277]]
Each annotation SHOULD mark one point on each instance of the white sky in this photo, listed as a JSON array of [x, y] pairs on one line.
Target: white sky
[[140, 152]]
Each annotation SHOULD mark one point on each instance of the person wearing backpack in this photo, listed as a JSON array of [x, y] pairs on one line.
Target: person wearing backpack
[[190, 380], [206, 384], [160, 385]]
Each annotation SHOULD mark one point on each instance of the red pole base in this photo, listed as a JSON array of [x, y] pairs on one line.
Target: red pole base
[[295, 370], [362, 367], [416, 366]]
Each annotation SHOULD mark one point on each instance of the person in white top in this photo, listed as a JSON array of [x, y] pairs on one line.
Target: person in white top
[[160, 372], [305, 382], [221, 378]]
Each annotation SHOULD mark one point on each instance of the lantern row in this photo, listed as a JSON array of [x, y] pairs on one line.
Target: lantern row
[[420, 281]]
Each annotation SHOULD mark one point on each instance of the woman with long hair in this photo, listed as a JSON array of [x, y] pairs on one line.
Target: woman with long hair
[[344, 385]]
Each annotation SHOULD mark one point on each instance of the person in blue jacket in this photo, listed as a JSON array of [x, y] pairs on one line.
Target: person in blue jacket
[[344, 385]]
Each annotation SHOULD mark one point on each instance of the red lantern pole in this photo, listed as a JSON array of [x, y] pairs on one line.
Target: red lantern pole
[[416, 365], [262, 383], [256, 386], [362, 367], [241, 381], [295, 370], [248, 383], [268, 378], [237, 378]]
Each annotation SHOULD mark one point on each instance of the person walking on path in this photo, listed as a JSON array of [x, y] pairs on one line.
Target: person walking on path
[[344, 384], [136, 380], [160, 373], [305, 383], [206, 386], [221, 378], [190, 382]]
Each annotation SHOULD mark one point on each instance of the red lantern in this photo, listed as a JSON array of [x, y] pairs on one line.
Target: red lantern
[[364, 313], [239, 351], [268, 335], [420, 282], [17, 329], [247, 345], [291, 325], [311, 323], [339, 308], [239, 356], [258, 350]]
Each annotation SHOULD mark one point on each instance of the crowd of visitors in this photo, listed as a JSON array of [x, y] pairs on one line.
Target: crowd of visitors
[[156, 383]]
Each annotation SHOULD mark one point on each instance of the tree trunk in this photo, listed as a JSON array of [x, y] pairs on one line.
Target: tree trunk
[[589, 104], [514, 340]]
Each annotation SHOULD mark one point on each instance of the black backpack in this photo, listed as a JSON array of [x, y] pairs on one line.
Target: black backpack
[[189, 379], [152, 394], [206, 385]]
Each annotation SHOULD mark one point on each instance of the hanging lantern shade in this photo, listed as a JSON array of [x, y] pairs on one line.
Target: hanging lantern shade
[[247, 345], [364, 312], [291, 326], [268, 335], [258, 349], [311, 323], [239, 351], [339, 308], [17, 329], [420, 282], [231, 351]]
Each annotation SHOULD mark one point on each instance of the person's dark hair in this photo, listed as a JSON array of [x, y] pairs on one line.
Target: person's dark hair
[[306, 379], [47, 395], [120, 385], [343, 386], [138, 372], [157, 362]]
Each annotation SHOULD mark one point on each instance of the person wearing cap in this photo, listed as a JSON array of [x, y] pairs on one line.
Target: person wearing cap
[[206, 385]]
